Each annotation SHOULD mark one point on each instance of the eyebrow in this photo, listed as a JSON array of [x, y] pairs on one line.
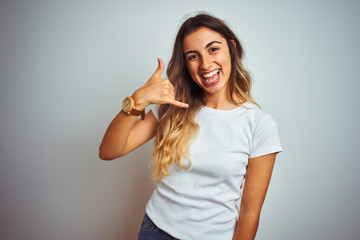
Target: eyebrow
[[207, 45]]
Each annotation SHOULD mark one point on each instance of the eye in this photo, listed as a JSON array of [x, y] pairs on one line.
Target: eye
[[214, 49], [191, 57]]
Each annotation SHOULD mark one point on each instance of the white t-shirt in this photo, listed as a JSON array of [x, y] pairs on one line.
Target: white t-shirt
[[201, 203]]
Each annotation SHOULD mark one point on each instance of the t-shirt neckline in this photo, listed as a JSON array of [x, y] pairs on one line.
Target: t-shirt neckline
[[226, 112]]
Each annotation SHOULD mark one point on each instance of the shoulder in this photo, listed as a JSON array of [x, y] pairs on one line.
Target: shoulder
[[256, 115], [264, 137]]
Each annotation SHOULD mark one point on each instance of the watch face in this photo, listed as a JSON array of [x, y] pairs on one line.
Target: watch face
[[126, 104]]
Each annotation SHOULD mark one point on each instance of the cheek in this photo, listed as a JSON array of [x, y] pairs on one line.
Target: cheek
[[192, 69], [226, 58], [226, 62]]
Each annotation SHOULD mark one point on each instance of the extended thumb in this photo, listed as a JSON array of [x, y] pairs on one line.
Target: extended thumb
[[160, 68]]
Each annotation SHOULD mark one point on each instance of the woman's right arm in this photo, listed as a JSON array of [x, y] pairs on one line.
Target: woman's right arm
[[125, 132]]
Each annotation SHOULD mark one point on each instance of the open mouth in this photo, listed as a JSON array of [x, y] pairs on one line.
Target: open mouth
[[211, 77]]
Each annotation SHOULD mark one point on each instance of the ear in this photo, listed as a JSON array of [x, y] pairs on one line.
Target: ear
[[234, 42]]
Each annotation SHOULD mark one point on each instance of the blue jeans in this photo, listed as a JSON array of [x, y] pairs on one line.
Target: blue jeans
[[149, 231]]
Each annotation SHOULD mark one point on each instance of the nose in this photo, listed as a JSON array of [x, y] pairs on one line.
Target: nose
[[206, 63]]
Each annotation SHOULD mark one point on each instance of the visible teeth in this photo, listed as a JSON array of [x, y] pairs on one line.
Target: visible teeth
[[210, 74], [209, 81]]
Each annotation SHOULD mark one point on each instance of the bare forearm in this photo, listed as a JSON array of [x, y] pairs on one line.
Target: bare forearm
[[116, 136], [246, 227]]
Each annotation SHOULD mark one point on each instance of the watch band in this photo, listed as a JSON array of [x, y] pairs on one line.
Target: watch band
[[128, 107], [135, 112]]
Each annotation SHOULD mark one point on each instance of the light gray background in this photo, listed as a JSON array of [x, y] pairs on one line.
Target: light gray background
[[67, 65]]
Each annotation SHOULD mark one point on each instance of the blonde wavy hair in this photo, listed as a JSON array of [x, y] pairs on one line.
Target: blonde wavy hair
[[177, 126]]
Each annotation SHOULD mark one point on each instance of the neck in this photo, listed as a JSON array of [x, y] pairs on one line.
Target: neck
[[222, 103]]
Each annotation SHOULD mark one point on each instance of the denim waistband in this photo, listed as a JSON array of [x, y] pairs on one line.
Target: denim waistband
[[149, 230]]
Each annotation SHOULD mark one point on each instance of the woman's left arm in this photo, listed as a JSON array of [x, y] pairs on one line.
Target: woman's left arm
[[258, 177]]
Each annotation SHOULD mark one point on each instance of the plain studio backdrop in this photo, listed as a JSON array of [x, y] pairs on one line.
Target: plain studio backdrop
[[67, 65]]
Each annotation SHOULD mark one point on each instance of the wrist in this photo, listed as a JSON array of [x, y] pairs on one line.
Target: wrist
[[140, 103], [128, 106]]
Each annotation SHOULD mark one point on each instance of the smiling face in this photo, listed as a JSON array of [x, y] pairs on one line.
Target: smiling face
[[208, 61]]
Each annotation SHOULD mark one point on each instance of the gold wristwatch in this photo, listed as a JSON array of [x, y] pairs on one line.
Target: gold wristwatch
[[128, 107]]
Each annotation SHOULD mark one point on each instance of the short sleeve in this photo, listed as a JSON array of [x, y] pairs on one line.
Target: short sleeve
[[265, 137], [155, 110]]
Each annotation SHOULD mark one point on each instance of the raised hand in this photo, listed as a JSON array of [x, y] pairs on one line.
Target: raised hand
[[156, 90]]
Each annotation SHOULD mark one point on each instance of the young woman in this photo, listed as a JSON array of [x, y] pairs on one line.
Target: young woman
[[209, 134]]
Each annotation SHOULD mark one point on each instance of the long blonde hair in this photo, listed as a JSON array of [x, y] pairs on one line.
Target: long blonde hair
[[177, 126]]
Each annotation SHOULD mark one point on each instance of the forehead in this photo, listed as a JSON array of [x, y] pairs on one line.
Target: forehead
[[198, 39]]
